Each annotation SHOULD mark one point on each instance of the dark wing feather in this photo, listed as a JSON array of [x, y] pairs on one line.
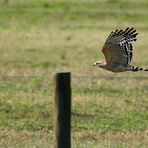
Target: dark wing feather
[[118, 47]]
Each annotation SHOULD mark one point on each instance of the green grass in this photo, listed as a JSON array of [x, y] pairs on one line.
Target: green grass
[[39, 38]]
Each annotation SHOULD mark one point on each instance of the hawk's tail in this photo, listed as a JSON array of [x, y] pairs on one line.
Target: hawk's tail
[[135, 69]]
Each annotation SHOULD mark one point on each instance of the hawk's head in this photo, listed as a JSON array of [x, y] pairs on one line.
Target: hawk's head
[[100, 63]]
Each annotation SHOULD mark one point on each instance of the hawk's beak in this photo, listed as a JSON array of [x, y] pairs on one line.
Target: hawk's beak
[[94, 64]]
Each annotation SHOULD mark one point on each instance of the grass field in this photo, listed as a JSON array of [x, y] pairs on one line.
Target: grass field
[[39, 38]]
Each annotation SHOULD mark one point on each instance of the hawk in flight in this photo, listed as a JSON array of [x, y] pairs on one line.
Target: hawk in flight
[[118, 51]]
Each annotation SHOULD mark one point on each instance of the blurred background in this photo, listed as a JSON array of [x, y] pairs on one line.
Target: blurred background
[[41, 37]]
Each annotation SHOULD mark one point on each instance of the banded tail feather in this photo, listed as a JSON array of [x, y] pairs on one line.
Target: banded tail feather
[[135, 69]]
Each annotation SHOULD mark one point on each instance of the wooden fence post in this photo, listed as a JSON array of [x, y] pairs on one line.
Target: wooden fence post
[[62, 121]]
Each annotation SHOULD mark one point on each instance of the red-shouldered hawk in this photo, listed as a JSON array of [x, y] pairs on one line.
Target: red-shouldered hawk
[[118, 51]]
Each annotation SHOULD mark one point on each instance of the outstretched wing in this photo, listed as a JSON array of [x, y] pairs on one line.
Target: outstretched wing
[[118, 48]]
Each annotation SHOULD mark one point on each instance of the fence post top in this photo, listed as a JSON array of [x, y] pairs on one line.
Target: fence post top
[[63, 73]]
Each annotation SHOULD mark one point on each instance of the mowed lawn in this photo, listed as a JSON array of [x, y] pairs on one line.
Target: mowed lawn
[[39, 38]]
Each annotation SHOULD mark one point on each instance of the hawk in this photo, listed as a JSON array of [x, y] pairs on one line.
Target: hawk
[[118, 51]]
